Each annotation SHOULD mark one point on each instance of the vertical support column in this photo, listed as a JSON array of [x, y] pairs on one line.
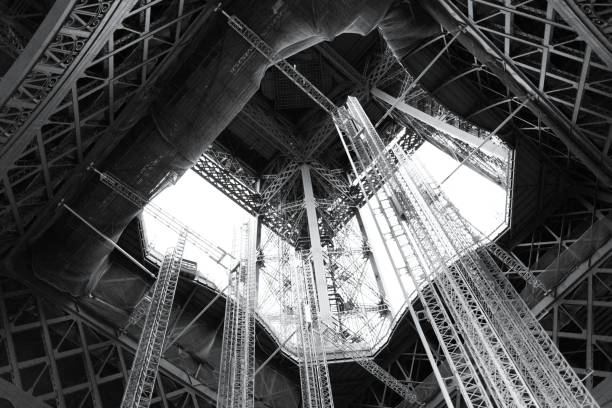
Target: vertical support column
[[91, 374], [54, 371], [371, 257], [10, 344], [589, 333], [316, 250], [258, 230]]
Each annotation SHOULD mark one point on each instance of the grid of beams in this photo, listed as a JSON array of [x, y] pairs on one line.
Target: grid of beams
[[60, 359], [528, 51], [88, 87]]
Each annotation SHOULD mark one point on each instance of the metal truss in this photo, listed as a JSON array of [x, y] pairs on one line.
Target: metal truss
[[355, 289], [267, 199], [78, 84], [216, 253], [264, 49], [490, 319], [141, 309], [275, 291], [532, 52], [77, 364], [577, 322], [533, 334], [396, 241], [143, 374], [407, 392], [279, 131], [565, 247], [591, 22], [411, 367], [389, 76], [314, 373], [237, 371]]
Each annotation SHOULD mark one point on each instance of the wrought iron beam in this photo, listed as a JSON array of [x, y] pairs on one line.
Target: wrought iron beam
[[582, 16], [62, 69], [99, 136], [504, 68]]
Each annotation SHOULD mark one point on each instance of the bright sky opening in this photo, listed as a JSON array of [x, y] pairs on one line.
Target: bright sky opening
[[214, 216]]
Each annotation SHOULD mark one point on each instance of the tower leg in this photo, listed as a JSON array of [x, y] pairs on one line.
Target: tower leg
[[316, 249]]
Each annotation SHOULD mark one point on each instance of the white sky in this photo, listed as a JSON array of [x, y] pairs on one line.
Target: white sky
[[206, 210]]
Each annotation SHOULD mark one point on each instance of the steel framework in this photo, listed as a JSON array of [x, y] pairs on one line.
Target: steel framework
[[217, 254], [143, 374], [566, 114], [407, 392], [92, 362], [484, 313], [314, 373], [78, 84], [237, 371]]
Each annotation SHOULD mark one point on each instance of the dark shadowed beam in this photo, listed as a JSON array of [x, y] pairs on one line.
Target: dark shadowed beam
[[582, 16], [80, 310], [135, 106], [38, 112], [451, 18], [341, 64], [280, 131]]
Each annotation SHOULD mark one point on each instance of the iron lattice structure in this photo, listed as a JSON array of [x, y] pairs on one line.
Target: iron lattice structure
[[407, 392], [314, 373], [139, 389], [52, 125], [508, 350], [237, 370]]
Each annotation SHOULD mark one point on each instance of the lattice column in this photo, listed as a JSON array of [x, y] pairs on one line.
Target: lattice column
[[316, 250], [314, 374], [141, 383], [236, 373], [510, 354]]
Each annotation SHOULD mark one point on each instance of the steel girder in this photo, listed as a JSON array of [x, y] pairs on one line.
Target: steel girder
[[578, 322], [565, 247], [269, 197], [69, 103], [78, 360], [592, 22], [529, 52]]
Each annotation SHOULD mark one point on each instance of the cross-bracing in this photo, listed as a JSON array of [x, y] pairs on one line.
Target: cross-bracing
[[459, 283], [499, 355], [492, 342], [237, 371]]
